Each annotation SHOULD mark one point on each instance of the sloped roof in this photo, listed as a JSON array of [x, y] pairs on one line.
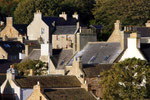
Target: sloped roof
[[91, 70], [99, 53], [5, 65], [2, 79], [55, 81], [68, 94], [65, 29], [8, 96], [144, 31], [61, 59], [21, 28], [12, 47], [34, 55], [59, 21], [145, 49]]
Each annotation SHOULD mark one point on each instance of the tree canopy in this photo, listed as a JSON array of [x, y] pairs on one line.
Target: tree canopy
[[130, 12], [37, 66], [127, 80], [25, 10]]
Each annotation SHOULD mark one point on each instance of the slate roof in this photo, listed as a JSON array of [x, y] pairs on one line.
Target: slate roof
[[91, 70], [97, 26], [12, 47], [8, 96], [59, 21], [145, 49], [22, 28], [2, 79], [62, 58], [34, 55], [5, 65], [55, 81], [68, 94], [99, 53], [144, 31], [65, 29]]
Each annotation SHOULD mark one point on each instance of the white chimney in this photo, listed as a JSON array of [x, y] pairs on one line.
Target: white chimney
[[75, 15], [133, 47], [147, 24], [63, 15], [37, 15], [9, 21]]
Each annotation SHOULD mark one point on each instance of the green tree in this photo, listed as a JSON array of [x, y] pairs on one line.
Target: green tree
[[130, 12], [25, 10], [126, 80], [37, 66]]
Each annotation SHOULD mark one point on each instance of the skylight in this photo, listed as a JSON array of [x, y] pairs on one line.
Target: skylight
[[92, 59], [7, 45], [106, 57]]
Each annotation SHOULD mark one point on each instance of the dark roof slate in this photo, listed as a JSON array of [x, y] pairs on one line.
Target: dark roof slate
[[61, 59], [8, 96], [68, 94], [99, 53], [95, 70], [65, 29], [22, 28], [145, 49], [144, 31], [59, 21], [5, 65], [2, 79], [55, 81], [12, 47]]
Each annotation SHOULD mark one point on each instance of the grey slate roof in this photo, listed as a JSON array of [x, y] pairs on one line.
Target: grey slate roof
[[68, 94], [145, 49], [99, 53], [61, 59], [21, 28], [12, 47], [5, 65], [144, 31], [65, 29], [2, 79], [91, 70], [34, 55]]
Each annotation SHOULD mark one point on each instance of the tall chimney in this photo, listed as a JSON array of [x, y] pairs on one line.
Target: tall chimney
[[117, 25], [63, 15], [37, 15], [9, 21], [147, 24]]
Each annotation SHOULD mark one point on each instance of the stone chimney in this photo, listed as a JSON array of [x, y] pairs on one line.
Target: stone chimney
[[147, 24], [9, 21], [117, 25], [124, 36], [37, 88], [31, 72], [75, 15], [37, 15], [63, 15], [20, 38], [26, 50]]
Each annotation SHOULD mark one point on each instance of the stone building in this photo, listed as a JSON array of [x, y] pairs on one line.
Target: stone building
[[49, 87], [13, 31], [63, 31]]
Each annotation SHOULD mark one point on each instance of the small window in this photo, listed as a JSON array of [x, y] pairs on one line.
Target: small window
[[7, 45], [42, 30]]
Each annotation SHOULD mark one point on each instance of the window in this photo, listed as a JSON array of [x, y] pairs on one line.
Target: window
[[92, 59], [42, 30], [106, 57], [7, 45]]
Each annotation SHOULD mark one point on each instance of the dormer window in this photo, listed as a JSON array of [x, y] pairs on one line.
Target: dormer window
[[42, 30]]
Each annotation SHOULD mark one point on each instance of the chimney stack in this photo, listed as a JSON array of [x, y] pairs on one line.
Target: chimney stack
[[147, 24], [63, 15], [37, 15], [117, 25], [9, 21], [75, 15]]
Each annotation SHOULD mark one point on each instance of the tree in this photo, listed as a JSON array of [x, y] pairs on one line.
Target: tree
[[127, 80], [37, 66], [25, 10], [130, 12]]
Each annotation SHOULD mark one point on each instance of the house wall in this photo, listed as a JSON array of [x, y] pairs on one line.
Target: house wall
[[9, 30], [3, 54], [37, 28], [63, 41]]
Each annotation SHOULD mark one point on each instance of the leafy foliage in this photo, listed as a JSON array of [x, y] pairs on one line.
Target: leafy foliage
[[25, 10], [127, 80], [130, 12], [37, 66]]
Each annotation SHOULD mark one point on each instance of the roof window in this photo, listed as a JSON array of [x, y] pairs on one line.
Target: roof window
[[7, 45]]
